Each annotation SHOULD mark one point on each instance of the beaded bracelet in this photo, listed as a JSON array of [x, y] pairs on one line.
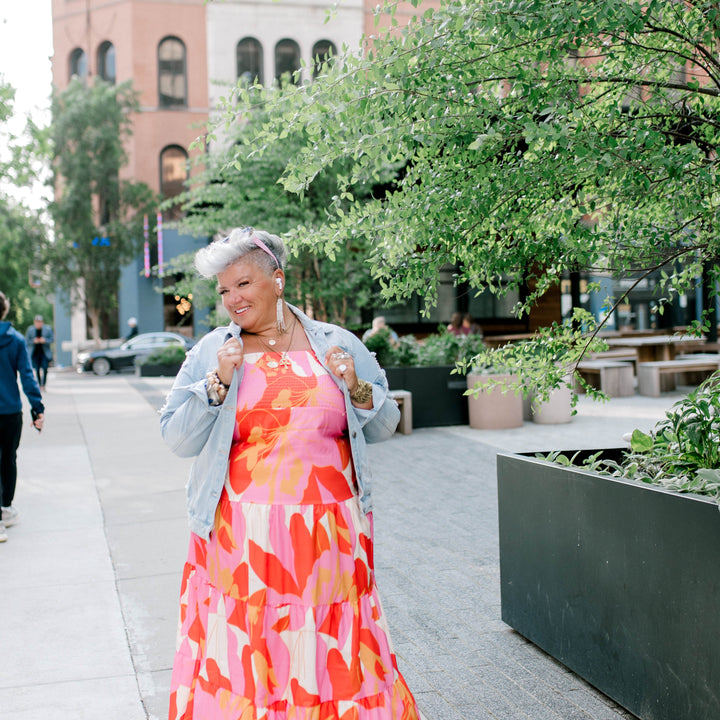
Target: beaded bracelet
[[217, 390], [363, 392]]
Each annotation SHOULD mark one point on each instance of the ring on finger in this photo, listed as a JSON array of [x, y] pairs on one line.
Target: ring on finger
[[342, 368]]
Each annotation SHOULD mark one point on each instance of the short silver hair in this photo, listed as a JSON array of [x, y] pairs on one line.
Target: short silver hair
[[225, 250]]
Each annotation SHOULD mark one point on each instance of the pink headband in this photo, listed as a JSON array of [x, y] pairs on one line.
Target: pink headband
[[259, 243], [264, 247]]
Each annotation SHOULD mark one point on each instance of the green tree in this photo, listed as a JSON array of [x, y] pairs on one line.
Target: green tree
[[237, 187], [98, 216], [22, 239], [22, 233], [536, 138]]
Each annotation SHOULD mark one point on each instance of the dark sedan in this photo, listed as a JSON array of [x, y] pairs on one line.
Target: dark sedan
[[101, 362]]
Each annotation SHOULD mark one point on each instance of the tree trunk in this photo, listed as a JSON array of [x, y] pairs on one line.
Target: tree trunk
[[94, 318]]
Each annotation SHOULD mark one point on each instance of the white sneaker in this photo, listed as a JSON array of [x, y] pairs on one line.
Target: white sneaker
[[3, 533], [10, 515]]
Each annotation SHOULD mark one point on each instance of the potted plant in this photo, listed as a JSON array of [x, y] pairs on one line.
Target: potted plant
[[609, 562], [553, 407], [541, 370], [427, 369], [164, 361], [495, 401]]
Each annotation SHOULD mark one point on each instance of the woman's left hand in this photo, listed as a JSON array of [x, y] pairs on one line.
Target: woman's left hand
[[342, 365]]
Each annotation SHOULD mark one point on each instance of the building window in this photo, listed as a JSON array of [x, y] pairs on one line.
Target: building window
[[250, 61], [287, 61], [173, 176], [78, 63], [323, 52], [172, 73], [106, 62]]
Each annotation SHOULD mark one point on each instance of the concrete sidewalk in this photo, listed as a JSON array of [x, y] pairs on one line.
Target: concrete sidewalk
[[91, 574]]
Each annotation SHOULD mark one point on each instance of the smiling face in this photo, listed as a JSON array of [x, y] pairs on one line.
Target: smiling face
[[250, 295]]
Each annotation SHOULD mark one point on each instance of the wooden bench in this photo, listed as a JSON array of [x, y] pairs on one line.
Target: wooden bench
[[404, 400], [613, 377], [662, 376]]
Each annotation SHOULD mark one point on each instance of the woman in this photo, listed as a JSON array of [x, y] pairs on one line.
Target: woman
[[14, 360], [456, 325], [279, 616]]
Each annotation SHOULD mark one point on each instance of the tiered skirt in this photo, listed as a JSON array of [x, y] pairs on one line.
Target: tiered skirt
[[280, 619]]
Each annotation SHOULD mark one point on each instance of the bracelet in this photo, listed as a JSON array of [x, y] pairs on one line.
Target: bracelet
[[217, 390], [363, 392]]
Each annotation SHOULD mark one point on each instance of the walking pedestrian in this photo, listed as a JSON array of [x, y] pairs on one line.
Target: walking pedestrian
[[39, 338], [14, 361], [280, 615]]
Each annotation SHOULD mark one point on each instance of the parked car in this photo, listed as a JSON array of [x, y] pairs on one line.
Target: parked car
[[101, 362]]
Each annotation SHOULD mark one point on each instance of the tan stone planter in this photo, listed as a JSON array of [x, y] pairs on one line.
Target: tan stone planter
[[495, 408], [557, 409]]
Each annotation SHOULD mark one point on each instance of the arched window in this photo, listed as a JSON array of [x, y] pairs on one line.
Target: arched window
[[78, 63], [172, 73], [106, 62], [250, 61], [287, 60], [173, 176], [323, 52]]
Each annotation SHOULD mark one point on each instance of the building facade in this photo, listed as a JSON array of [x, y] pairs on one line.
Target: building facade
[[181, 56]]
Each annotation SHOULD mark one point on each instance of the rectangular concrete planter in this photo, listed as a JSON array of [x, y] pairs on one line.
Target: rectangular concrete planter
[[438, 396], [620, 581]]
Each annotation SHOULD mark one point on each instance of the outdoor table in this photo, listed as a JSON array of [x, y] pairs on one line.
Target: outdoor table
[[653, 348]]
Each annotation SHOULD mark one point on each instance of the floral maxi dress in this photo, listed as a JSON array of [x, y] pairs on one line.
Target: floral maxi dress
[[279, 614]]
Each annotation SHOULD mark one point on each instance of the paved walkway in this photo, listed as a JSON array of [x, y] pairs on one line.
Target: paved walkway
[[90, 576]]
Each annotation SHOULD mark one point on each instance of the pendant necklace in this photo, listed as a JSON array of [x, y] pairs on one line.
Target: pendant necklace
[[284, 359]]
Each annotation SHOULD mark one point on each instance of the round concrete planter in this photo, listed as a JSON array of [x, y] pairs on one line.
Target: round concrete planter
[[557, 409], [494, 408]]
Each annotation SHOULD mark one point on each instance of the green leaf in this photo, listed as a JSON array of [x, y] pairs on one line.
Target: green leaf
[[641, 442]]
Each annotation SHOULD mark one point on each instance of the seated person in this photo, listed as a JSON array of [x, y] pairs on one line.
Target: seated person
[[378, 324]]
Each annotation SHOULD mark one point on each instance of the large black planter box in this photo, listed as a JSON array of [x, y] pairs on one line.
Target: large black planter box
[[438, 398], [620, 581]]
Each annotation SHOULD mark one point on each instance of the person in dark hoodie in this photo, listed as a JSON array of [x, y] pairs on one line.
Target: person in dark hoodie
[[14, 361], [39, 337]]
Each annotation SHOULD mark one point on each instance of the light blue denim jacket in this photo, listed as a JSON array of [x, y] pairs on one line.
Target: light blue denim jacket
[[194, 428]]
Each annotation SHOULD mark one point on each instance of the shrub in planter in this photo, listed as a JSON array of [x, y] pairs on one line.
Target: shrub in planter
[[161, 361], [380, 343], [427, 370], [682, 452], [444, 348]]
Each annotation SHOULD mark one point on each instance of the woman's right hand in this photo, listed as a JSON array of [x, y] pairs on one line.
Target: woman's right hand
[[230, 357]]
